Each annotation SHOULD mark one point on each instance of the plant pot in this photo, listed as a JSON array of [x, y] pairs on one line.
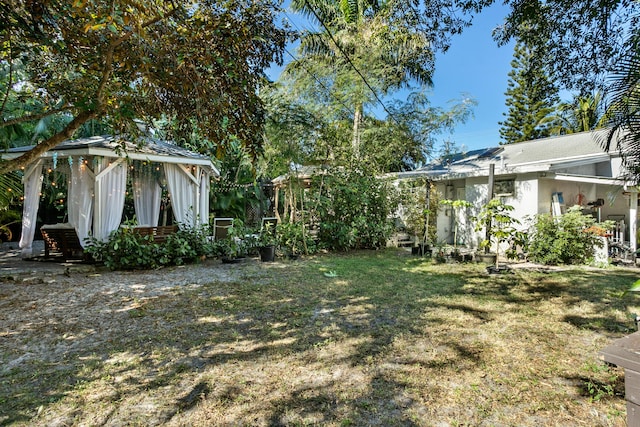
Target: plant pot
[[486, 258], [267, 253], [421, 250]]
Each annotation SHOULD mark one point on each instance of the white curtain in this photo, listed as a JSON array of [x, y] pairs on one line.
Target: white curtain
[[146, 199], [32, 186], [182, 188], [80, 196], [110, 187], [205, 187]]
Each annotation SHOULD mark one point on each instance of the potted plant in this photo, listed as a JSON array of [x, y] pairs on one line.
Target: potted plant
[[267, 242], [237, 244], [495, 219]]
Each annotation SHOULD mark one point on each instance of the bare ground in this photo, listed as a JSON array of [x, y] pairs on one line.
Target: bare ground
[[282, 344]]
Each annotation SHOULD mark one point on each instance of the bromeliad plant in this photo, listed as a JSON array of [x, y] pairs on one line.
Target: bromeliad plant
[[496, 220]]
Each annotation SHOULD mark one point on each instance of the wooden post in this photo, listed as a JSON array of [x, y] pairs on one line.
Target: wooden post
[[487, 233], [427, 204]]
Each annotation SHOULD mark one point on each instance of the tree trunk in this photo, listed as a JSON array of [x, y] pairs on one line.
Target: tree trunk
[[30, 156], [357, 118]]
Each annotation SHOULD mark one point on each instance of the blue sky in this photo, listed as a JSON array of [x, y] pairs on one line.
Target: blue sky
[[477, 67], [474, 66]]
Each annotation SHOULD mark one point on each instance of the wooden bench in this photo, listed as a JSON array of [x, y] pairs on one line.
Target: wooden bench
[[159, 233], [61, 240], [164, 231]]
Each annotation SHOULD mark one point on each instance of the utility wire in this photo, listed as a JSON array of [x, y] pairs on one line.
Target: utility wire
[[349, 61], [320, 82]]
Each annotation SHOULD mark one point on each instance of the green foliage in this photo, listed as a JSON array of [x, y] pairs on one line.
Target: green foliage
[[583, 114], [567, 239], [353, 208], [577, 41], [622, 115], [236, 189], [531, 98], [416, 214], [196, 64], [128, 250], [294, 239], [495, 219]]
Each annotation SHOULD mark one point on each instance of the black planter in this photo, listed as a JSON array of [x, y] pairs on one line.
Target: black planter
[[267, 253]]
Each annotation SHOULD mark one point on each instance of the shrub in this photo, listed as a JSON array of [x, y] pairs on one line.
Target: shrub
[[568, 239], [294, 240], [128, 250], [353, 208]]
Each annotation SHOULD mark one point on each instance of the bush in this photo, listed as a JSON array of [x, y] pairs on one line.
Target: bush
[[353, 208], [567, 239], [293, 240], [128, 250]]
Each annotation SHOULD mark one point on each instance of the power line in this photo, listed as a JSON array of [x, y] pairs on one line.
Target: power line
[[349, 61], [320, 82]]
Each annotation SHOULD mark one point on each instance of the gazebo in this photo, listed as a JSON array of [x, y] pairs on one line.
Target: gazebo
[[97, 169]]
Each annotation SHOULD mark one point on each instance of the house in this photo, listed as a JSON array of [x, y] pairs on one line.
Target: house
[[544, 176]]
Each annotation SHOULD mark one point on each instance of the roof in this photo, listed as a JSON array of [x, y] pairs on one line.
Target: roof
[[149, 149], [542, 155], [300, 172]]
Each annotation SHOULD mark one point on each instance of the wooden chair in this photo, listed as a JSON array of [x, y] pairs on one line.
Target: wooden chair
[[62, 240], [271, 220], [221, 228]]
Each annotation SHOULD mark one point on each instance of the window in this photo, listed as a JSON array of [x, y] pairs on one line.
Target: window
[[504, 187]]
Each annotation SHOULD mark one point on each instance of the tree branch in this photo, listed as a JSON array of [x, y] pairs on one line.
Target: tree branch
[[28, 118], [31, 155]]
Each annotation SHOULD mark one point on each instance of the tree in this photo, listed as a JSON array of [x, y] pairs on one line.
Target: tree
[[577, 41], [583, 114], [623, 113], [198, 64], [531, 98], [362, 53]]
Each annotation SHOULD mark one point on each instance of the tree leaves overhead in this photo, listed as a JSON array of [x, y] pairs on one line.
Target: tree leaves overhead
[[582, 39], [198, 63], [623, 113]]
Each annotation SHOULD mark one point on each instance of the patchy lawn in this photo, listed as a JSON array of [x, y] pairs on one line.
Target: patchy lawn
[[387, 339]]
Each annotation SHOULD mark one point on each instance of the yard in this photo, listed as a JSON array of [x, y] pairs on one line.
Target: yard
[[367, 338]]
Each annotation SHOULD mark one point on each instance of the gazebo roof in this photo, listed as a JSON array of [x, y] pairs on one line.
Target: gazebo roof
[[150, 149]]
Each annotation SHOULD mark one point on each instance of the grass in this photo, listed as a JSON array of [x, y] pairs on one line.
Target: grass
[[384, 339]]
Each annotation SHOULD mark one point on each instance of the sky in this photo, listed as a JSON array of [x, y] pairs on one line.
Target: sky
[[474, 66]]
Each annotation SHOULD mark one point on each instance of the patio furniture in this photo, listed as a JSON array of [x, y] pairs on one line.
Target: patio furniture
[[221, 228], [159, 233], [62, 239]]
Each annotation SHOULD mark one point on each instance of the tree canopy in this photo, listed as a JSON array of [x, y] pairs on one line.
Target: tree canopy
[[196, 64], [579, 41]]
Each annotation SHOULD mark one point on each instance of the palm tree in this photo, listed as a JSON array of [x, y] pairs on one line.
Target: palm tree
[[360, 54], [583, 114], [623, 114]]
